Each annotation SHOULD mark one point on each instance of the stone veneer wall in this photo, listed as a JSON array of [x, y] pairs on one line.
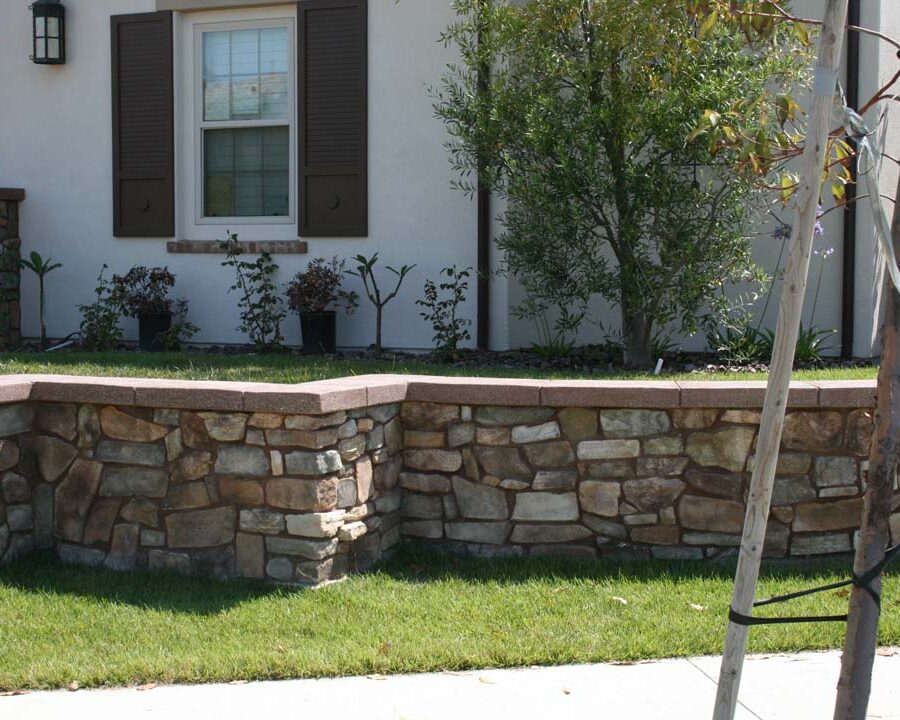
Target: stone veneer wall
[[305, 484], [10, 244]]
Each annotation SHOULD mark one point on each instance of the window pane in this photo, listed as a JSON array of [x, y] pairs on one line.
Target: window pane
[[53, 48], [245, 74], [40, 27], [53, 27], [246, 172]]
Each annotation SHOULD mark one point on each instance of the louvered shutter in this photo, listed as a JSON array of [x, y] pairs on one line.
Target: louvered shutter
[[333, 110], [143, 126]]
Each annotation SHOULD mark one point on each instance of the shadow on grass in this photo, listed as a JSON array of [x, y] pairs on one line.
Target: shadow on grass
[[413, 564]]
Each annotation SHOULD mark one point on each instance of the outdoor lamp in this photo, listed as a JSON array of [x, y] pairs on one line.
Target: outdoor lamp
[[49, 29]]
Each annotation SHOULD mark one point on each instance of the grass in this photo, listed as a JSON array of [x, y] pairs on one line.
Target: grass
[[419, 612], [294, 369]]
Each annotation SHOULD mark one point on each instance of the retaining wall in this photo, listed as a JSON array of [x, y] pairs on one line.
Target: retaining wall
[[307, 483]]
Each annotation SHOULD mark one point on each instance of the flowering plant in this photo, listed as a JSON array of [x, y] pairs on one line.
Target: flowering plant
[[318, 288], [144, 291]]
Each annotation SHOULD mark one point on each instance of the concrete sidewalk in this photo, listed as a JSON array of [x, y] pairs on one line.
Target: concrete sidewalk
[[788, 687]]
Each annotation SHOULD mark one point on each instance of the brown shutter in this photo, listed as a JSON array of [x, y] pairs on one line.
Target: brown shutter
[[333, 110], [143, 126]]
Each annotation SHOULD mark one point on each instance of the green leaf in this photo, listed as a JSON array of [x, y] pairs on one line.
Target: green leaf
[[708, 25]]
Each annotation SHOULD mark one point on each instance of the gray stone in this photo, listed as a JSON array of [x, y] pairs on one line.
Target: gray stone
[[166, 561], [608, 449], [103, 514], [352, 531], [428, 416], [423, 529], [314, 422], [43, 516], [633, 423], [555, 480], [128, 453], [661, 552], [308, 549], [174, 446], [790, 490], [694, 419], [241, 460], [20, 517], [479, 502], [835, 471], [711, 514], [712, 538], [503, 463], [312, 439], [53, 456], [88, 426], [16, 488], [611, 470], [315, 525], [301, 494], [312, 463], [77, 555], [280, 569], [375, 438], [224, 427], [489, 533], [193, 465], [669, 445], [123, 549], [652, 494], [460, 434], [550, 454], [726, 448], [546, 507], [187, 496], [389, 502], [166, 416], [492, 415], [599, 498], [393, 436], [15, 419], [201, 528], [721, 484], [789, 463], [427, 507], [9, 454], [530, 534], [535, 433], [820, 544], [578, 423], [383, 413], [433, 460], [262, 520], [607, 528], [74, 496], [250, 556], [387, 473], [836, 492], [347, 494], [122, 481], [152, 538], [451, 508], [661, 466], [640, 519], [348, 430], [492, 436], [425, 482]]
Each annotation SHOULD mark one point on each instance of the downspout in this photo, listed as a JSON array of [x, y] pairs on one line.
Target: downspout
[[848, 270], [483, 326]]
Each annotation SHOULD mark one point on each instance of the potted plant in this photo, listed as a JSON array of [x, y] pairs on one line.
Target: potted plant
[[315, 295], [144, 294]]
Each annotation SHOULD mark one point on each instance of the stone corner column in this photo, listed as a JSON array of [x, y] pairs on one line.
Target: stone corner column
[[10, 244]]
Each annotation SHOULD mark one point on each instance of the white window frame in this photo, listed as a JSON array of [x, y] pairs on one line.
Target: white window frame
[[193, 225]]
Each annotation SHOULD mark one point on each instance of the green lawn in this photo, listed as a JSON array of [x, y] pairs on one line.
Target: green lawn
[[294, 369], [419, 612]]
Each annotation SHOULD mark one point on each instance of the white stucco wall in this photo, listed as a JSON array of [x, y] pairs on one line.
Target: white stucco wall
[[55, 141]]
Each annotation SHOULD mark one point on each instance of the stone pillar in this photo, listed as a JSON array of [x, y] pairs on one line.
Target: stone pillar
[[10, 314]]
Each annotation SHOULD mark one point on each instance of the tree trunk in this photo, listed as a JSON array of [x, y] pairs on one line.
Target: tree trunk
[[861, 640], [378, 329], [636, 335]]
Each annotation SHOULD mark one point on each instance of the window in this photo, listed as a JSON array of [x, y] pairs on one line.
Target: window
[[245, 114]]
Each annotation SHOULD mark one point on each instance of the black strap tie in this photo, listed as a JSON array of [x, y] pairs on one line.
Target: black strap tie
[[863, 581]]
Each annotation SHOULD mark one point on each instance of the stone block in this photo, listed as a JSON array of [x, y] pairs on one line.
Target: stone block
[[599, 498], [656, 534], [74, 496], [669, 445], [314, 422], [550, 454], [837, 515], [578, 424], [123, 549], [608, 449], [428, 416], [652, 494], [193, 465], [425, 482], [352, 531], [423, 529], [201, 528], [711, 482], [9, 454], [389, 502], [433, 460], [280, 569], [187, 496], [119, 425], [16, 489], [15, 419], [820, 544], [152, 538], [128, 453], [315, 525], [790, 490], [532, 534], [100, 520], [694, 418], [522, 434], [313, 463], [503, 463], [835, 471], [56, 419], [193, 431], [174, 445], [250, 556], [660, 466], [242, 460], [123, 481], [606, 528], [262, 520], [310, 439], [818, 431], [555, 480], [427, 507], [726, 448], [858, 435], [489, 533], [77, 555], [295, 547], [301, 494], [506, 416], [633, 423], [20, 517], [460, 434], [167, 416], [88, 422], [164, 560], [364, 480], [710, 514], [479, 502], [611, 470], [53, 456], [546, 507], [493, 436]]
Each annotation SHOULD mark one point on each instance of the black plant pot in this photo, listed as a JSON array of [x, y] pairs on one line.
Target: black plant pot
[[319, 334], [149, 328]]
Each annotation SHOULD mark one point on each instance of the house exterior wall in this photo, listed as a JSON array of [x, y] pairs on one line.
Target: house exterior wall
[[55, 141]]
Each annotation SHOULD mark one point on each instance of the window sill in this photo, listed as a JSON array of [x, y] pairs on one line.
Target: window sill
[[214, 247]]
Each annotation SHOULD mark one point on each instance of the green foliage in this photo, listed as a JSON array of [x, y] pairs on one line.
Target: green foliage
[[442, 311], [365, 271], [180, 331], [100, 320], [586, 126], [41, 268], [740, 344], [318, 288], [262, 310]]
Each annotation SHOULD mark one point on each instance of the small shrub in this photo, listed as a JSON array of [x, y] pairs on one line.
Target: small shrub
[[318, 289], [181, 330], [145, 291], [740, 344], [262, 310], [365, 271], [100, 320], [41, 268], [449, 329]]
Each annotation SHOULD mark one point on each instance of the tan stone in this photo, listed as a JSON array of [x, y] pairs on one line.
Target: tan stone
[[608, 449], [187, 496], [660, 466], [120, 425], [652, 494], [742, 417], [316, 525], [277, 461], [694, 419], [174, 446], [501, 415], [711, 482], [816, 431], [365, 425], [201, 528], [241, 491], [249, 556], [789, 463], [53, 456], [192, 466], [502, 462], [656, 534], [364, 479], [352, 531], [98, 527], [73, 499], [433, 460], [669, 445], [141, 511], [837, 515], [424, 439], [533, 534], [428, 416], [858, 436], [315, 422], [262, 520], [578, 423], [56, 419], [713, 514], [265, 421], [311, 439], [299, 494], [193, 431], [726, 448], [492, 436], [599, 498], [611, 470], [88, 426]]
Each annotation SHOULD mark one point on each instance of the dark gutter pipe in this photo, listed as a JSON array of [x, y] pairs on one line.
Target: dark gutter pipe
[[848, 270], [483, 322]]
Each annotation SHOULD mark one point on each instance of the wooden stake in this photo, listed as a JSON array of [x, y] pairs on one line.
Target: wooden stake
[[794, 288], [861, 640]]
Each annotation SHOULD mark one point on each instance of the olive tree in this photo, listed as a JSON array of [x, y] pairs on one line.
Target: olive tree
[[630, 139]]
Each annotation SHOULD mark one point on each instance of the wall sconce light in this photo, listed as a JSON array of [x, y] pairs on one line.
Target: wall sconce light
[[49, 32]]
